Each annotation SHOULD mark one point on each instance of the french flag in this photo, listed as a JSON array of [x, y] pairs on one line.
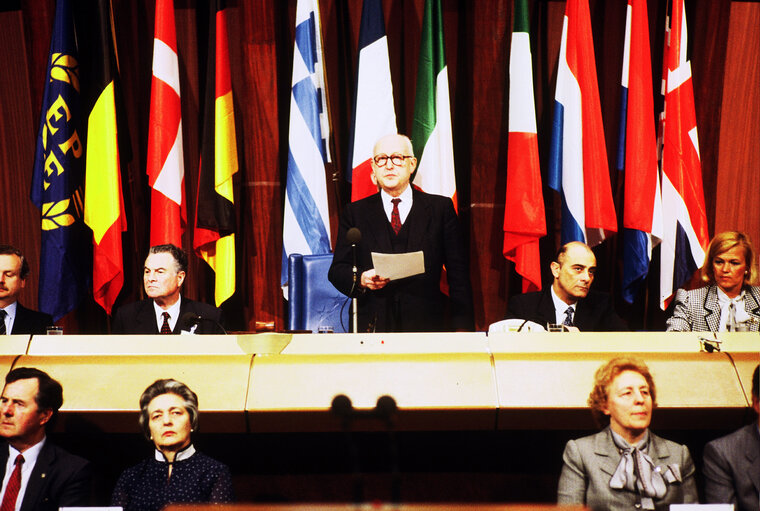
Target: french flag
[[637, 154], [685, 235], [578, 156], [374, 113]]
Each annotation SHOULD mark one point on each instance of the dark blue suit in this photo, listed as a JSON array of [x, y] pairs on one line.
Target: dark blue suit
[[140, 318], [59, 479], [592, 314], [414, 303], [29, 321]]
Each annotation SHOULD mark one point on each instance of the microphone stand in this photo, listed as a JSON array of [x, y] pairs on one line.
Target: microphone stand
[[355, 287]]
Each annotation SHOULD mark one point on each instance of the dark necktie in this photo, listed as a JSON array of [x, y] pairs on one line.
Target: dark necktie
[[731, 317], [165, 328], [395, 217], [568, 317], [3, 331], [14, 484]]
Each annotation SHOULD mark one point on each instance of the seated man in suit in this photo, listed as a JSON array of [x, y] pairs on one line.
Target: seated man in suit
[[165, 311], [14, 317], [569, 301], [42, 475], [732, 463], [401, 219]]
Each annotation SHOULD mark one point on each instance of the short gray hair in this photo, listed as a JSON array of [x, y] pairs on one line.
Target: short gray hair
[[168, 386]]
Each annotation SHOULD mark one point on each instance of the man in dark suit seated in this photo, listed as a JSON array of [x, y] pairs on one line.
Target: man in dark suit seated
[[14, 317], [400, 219], [53, 477], [570, 301], [732, 463], [165, 311]]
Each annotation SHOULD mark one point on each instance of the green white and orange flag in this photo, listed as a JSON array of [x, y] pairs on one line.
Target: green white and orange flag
[[214, 234], [431, 130], [103, 202], [524, 217]]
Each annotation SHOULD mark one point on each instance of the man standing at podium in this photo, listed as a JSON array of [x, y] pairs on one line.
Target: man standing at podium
[[35, 473], [732, 463], [165, 311], [14, 317], [569, 300], [400, 219]]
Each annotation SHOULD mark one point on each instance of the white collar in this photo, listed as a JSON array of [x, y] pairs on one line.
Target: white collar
[[180, 456]]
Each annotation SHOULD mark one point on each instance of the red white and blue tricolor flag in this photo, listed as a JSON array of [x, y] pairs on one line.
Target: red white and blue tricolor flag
[[578, 167], [374, 113], [637, 154], [685, 236], [306, 221]]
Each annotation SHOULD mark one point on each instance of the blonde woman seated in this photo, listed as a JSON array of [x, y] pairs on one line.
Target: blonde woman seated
[[731, 300], [625, 466], [176, 472]]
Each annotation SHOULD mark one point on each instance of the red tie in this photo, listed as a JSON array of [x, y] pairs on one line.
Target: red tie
[[395, 217], [165, 328], [14, 484]]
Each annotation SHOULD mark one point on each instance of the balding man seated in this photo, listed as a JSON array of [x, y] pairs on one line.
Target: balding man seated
[[569, 301]]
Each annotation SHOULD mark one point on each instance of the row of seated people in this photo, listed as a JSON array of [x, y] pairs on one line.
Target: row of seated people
[[730, 300], [624, 466], [401, 219]]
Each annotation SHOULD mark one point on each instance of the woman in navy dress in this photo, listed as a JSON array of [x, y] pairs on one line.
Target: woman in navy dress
[[176, 473]]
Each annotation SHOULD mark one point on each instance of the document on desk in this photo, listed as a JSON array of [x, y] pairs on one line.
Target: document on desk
[[398, 266]]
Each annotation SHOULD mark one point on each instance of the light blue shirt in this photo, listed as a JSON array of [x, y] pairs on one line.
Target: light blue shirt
[[10, 317]]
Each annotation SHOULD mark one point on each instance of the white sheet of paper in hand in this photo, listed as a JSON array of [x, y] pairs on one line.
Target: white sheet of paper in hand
[[398, 266]]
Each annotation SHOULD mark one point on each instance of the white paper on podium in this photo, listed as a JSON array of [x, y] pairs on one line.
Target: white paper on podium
[[398, 266]]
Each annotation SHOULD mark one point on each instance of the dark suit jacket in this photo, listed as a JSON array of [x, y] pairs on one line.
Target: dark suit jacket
[[414, 303], [732, 469], [140, 318], [58, 479], [29, 321], [592, 314], [697, 310], [590, 462]]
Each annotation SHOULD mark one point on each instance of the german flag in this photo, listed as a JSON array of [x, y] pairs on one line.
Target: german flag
[[103, 203], [214, 234]]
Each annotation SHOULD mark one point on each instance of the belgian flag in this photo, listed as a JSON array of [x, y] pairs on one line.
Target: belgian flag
[[214, 234], [103, 203]]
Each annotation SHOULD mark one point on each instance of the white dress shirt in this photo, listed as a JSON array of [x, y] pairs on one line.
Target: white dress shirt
[[30, 459], [560, 307], [173, 314], [403, 207]]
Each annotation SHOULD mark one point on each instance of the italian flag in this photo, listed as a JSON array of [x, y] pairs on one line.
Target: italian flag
[[431, 130], [524, 217]]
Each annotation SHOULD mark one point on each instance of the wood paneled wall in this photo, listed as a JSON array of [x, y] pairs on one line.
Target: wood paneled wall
[[722, 41]]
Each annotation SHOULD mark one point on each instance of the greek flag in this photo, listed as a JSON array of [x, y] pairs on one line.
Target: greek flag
[[306, 222]]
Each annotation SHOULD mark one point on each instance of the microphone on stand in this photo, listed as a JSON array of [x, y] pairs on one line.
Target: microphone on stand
[[190, 319], [354, 236]]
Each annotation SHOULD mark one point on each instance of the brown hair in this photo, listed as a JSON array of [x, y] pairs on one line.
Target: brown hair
[[603, 378], [724, 242]]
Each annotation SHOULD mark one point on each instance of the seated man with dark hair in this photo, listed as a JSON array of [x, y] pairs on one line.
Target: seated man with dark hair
[[569, 300], [14, 317], [30, 401], [732, 463], [165, 311]]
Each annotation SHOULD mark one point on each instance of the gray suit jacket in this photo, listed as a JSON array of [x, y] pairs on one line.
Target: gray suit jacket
[[697, 310], [589, 463], [732, 469]]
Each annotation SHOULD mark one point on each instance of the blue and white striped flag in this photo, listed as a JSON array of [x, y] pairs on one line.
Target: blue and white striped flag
[[306, 221]]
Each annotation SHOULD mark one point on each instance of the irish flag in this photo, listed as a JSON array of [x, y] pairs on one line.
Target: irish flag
[[431, 130]]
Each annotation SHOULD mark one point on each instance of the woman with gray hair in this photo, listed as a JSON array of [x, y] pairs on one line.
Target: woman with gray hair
[[625, 466], [176, 473]]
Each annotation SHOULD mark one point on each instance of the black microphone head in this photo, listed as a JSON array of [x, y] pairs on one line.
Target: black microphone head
[[386, 405], [188, 319], [341, 405], [354, 236]]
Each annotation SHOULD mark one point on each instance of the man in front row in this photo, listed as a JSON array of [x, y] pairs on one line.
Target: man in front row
[[732, 463], [401, 219], [569, 301], [165, 311], [36, 474], [14, 317]]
